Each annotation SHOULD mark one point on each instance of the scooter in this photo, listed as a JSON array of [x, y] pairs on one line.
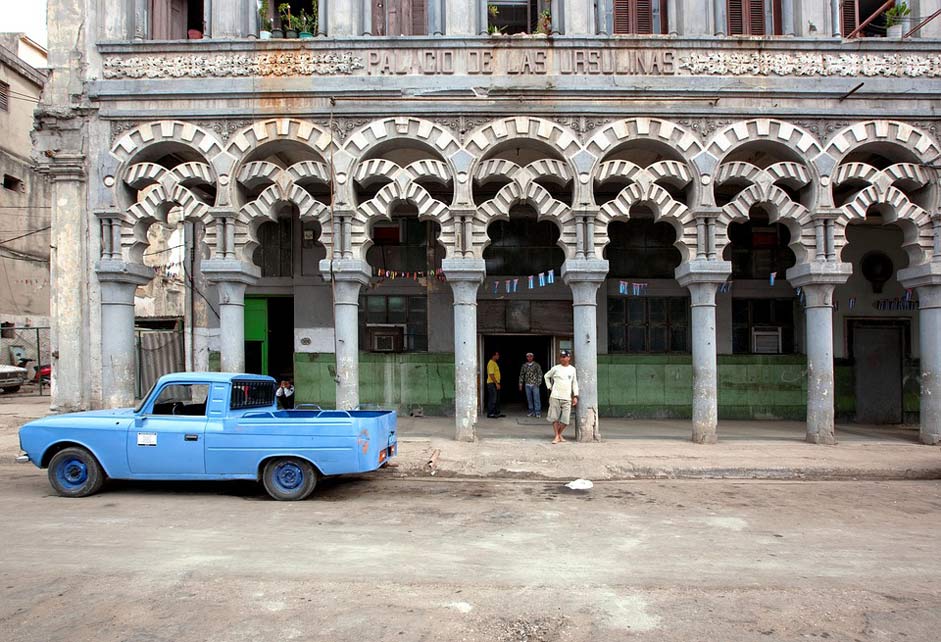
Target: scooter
[[42, 373]]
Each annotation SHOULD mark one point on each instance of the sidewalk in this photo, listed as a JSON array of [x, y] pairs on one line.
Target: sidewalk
[[520, 448]]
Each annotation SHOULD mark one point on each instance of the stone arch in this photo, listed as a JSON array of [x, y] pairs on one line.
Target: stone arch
[[534, 195], [134, 142], [905, 136], [793, 138], [283, 187], [166, 195]]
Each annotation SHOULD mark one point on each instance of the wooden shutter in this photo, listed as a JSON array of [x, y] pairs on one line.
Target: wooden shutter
[[4, 96], [756, 17], [849, 17], [746, 17], [419, 19], [378, 17], [633, 16]]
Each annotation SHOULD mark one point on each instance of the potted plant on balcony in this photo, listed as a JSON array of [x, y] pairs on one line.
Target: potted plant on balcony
[[264, 20], [492, 12], [544, 24], [287, 20], [898, 20], [307, 25]]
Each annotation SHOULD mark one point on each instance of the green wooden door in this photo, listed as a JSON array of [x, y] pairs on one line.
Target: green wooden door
[[256, 335]]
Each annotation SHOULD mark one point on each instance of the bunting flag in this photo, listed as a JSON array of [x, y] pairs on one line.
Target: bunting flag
[[507, 284], [496, 287], [908, 295], [516, 285], [852, 303], [542, 279], [531, 277], [551, 278], [774, 275]]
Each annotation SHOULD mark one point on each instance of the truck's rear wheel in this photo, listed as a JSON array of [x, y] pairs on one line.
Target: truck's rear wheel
[[289, 479], [74, 472]]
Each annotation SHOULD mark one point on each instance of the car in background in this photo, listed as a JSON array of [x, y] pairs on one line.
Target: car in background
[[12, 377]]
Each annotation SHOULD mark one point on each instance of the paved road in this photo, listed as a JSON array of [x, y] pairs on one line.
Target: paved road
[[391, 559]]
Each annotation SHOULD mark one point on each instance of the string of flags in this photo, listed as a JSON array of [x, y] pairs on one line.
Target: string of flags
[[629, 288], [411, 276], [511, 286]]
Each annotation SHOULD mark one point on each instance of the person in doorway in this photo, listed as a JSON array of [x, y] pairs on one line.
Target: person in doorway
[[493, 387], [563, 394], [531, 379], [285, 395]]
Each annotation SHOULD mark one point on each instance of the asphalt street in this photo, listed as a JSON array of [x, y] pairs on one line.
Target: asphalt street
[[377, 557]]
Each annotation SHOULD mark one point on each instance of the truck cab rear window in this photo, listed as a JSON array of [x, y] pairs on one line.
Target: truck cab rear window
[[252, 394]]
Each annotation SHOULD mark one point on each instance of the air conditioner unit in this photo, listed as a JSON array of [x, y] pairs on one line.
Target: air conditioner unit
[[766, 340], [385, 339]]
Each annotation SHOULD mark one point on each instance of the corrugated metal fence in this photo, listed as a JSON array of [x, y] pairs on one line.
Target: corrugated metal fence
[[27, 347], [159, 352]]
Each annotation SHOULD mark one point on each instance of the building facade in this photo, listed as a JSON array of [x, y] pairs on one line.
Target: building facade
[[724, 208]]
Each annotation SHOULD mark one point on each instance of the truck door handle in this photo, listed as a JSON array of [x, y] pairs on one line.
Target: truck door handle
[[190, 437]]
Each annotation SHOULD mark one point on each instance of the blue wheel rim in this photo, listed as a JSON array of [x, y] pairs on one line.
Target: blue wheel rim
[[289, 476], [72, 473]]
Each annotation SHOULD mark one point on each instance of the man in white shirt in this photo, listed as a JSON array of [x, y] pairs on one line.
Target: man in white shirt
[[285, 395], [563, 394]]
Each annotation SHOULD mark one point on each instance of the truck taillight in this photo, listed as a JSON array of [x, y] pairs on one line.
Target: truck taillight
[[382, 455]]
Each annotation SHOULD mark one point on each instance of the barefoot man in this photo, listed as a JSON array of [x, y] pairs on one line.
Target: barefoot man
[[563, 388]]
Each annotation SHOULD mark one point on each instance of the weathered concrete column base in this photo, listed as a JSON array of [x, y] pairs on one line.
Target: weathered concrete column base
[[465, 277], [118, 282], [584, 276], [817, 280], [926, 279], [702, 278], [231, 278], [349, 276]]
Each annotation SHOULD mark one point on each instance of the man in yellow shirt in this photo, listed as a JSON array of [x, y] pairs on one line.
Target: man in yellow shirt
[[493, 387]]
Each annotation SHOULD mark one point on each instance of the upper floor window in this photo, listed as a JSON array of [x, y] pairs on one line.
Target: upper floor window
[[4, 97], [855, 12], [640, 16], [399, 18], [176, 19], [754, 17], [518, 16]]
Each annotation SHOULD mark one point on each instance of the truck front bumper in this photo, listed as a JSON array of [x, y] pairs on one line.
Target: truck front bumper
[[22, 459]]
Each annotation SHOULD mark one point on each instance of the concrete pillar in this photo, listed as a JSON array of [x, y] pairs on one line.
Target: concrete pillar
[[118, 282], [461, 17], [579, 17], [820, 385], [68, 283], [817, 280], [926, 279], [231, 278], [584, 276], [702, 278], [349, 275], [465, 277]]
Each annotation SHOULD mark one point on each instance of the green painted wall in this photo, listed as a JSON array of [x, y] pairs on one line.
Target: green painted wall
[[634, 386], [399, 380]]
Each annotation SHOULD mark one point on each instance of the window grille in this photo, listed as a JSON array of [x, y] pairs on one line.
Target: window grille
[[251, 394]]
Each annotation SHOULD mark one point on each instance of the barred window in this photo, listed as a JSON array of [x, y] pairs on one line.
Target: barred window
[[763, 326], [648, 324], [251, 394]]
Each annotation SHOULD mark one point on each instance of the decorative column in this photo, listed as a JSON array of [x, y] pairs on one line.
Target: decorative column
[[118, 281], [348, 276], [702, 278], [584, 276], [817, 281], [231, 277], [465, 277], [926, 279]]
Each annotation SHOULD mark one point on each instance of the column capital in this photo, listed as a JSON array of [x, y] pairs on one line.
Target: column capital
[[110, 271], [584, 271], [921, 276], [826, 214], [230, 271], [346, 270], [469, 270], [105, 213], [223, 212], [702, 271], [707, 212], [819, 273], [462, 210]]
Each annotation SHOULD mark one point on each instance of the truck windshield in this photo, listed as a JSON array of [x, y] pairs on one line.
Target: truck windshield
[[140, 406]]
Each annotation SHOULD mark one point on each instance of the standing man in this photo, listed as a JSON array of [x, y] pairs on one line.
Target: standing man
[[285, 395], [563, 388], [531, 378], [493, 387]]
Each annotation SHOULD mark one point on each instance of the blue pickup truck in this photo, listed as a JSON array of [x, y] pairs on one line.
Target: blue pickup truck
[[204, 425]]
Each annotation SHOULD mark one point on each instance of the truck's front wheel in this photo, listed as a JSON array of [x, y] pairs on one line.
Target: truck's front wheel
[[289, 479], [74, 472]]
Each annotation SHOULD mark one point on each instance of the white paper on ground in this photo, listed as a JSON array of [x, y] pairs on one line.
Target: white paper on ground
[[579, 484]]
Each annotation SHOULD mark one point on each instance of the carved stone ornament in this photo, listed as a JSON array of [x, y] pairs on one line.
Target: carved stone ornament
[[809, 64], [224, 66]]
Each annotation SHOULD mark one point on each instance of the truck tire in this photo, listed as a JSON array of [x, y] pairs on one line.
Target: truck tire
[[289, 479], [74, 472]]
